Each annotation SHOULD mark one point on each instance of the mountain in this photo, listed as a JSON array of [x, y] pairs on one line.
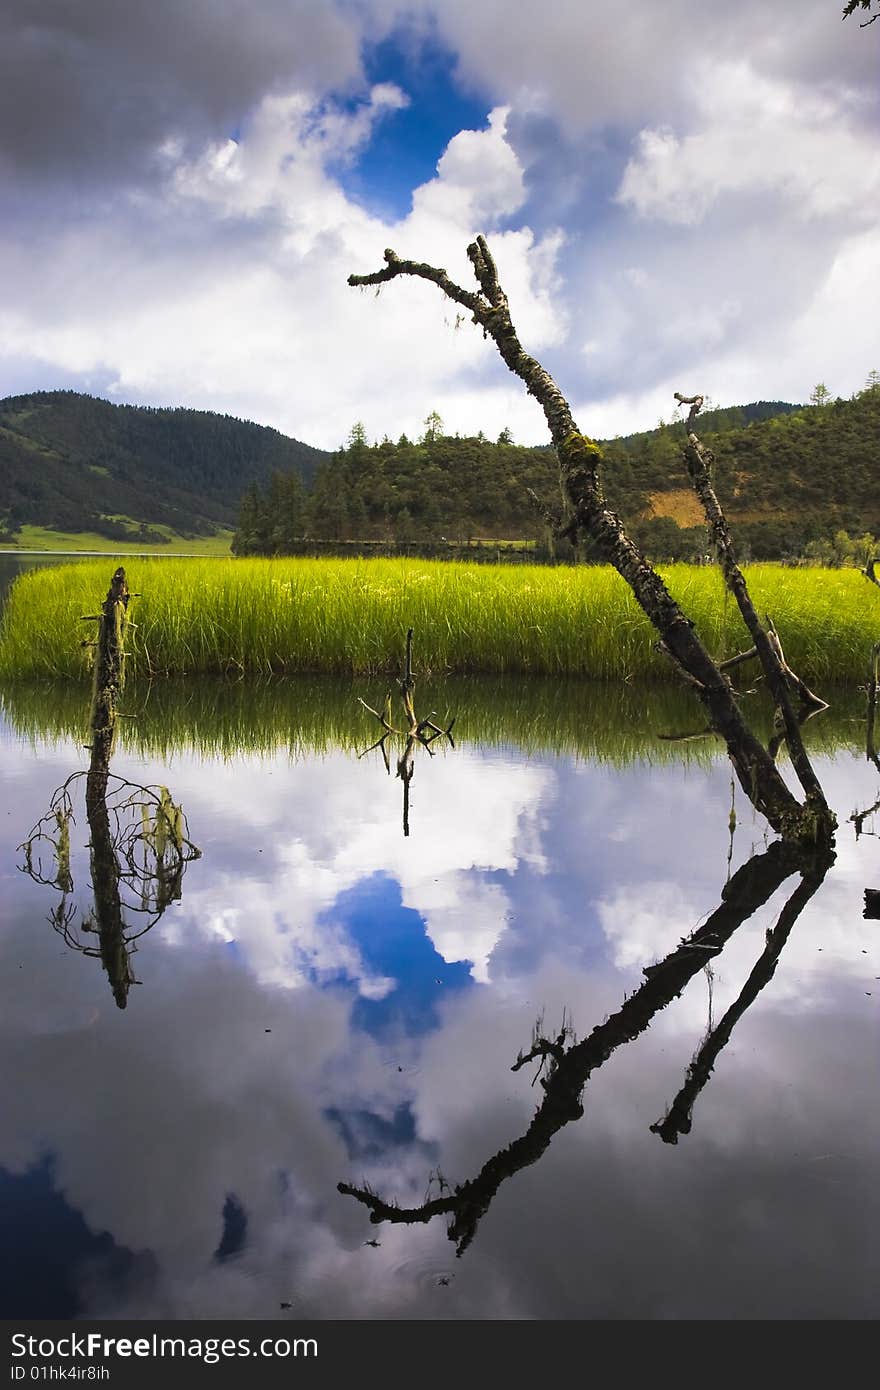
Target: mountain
[[788, 476], [71, 462]]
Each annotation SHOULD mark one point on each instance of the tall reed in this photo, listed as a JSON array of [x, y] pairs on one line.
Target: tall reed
[[348, 617]]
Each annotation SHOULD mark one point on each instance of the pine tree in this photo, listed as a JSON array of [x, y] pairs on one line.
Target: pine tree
[[433, 428]]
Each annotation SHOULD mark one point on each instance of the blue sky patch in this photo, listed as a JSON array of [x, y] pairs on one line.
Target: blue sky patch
[[368, 1135], [392, 941], [407, 144], [46, 1244]]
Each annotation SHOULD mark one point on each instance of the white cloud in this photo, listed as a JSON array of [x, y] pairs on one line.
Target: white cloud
[[227, 290], [645, 921], [757, 136], [470, 817], [716, 225], [197, 1100], [280, 162], [592, 65], [479, 179]]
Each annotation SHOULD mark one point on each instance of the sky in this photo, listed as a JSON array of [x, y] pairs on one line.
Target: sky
[[679, 197]]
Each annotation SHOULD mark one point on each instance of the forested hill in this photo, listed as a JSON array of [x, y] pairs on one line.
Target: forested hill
[[786, 482], [788, 476], [71, 462]]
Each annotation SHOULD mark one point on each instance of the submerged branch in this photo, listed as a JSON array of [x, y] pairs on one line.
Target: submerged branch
[[732, 661], [139, 848], [138, 838], [870, 745]]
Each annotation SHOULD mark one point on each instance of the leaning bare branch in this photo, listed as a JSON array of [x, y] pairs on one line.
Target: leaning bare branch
[[869, 573], [395, 266], [781, 681], [732, 661], [579, 463], [808, 701], [389, 728]]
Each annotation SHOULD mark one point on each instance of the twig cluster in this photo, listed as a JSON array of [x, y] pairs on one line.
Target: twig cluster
[[151, 847], [419, 733]]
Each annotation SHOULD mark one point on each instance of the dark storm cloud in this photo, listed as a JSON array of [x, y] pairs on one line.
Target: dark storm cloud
[[93, 89], [591, 65]]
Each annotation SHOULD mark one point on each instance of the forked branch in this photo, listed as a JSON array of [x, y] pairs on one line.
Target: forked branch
[[781, 680], [588, 514], [416, 731]]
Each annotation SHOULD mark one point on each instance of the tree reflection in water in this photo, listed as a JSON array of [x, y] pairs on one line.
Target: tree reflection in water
[[565, 1065], [138, 850]]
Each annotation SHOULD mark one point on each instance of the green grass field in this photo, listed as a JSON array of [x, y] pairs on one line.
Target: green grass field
[[39, 538], [350, 616]]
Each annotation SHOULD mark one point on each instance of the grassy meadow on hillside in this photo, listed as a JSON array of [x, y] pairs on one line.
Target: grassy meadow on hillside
[[43, 538]]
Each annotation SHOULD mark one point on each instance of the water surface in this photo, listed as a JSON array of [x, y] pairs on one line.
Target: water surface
[[330, 1000]]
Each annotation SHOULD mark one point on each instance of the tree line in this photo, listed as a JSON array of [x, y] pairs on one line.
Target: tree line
[[794, 480]]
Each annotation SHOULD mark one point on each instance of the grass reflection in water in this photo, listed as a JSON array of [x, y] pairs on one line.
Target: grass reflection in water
[[609, 723]]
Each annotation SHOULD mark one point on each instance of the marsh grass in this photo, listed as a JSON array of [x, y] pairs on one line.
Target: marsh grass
[[348, 617]]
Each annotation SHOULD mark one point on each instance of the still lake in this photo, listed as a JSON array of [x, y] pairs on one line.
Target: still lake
[[327, 999]]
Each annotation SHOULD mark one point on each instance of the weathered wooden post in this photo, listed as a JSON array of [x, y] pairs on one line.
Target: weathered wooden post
[[109, 669], [107, 682], [138, 845]]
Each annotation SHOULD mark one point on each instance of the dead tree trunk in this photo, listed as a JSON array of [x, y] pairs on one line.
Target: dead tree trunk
[[870, 745], [870, 574], [107, 681], [109, 669], [588, 514], [105, 871], [781, 680], [138, 844]]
